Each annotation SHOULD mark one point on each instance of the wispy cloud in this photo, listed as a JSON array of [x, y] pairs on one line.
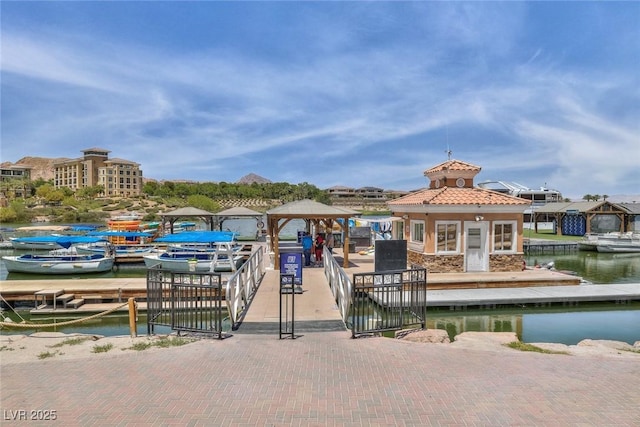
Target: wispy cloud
[[373, 103]]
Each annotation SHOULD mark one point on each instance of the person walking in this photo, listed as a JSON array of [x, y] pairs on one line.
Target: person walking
[[319, 243], [307, 246]]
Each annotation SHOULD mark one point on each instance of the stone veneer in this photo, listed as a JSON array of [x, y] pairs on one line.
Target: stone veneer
[[455, 263]]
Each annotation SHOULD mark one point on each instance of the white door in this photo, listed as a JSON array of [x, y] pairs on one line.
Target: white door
[[476, 252]]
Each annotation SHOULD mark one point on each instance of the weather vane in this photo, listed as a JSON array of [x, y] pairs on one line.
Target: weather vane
[[449, 152]]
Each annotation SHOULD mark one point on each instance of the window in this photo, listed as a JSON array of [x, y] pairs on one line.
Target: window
[[504, 237], [417, 231], [447, 237]]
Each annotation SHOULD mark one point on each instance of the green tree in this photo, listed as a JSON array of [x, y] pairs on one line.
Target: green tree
[[203, 202], [8, 215]]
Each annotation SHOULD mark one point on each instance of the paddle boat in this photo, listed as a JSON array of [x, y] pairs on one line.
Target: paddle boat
[[59, 261], [198, 251], [128, 246]]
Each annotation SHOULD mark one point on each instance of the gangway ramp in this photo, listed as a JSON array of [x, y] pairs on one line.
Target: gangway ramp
[[315, 308]]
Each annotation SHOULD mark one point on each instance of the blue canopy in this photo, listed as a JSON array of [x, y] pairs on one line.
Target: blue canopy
[[199, 237], [67, 241]]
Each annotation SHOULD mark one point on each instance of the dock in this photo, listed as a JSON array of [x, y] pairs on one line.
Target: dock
[[536, 246], [454, 290]]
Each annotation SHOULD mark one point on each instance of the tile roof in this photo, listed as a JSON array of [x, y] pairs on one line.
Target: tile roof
[[453, 165], [457, 196]]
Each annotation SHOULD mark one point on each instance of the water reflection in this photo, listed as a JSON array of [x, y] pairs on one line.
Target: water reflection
[[602, 268], [561, 325]]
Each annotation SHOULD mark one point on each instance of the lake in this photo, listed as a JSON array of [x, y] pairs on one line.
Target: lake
[[566, 325]]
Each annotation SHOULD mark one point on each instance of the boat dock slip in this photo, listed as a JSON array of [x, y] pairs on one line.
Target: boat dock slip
[[618, 293], [531, 286]]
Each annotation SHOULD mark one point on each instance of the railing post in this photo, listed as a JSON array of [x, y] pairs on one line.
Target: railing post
[[287, 287]]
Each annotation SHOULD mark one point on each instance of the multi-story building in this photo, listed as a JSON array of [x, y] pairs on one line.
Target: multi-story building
[[340, 194], [16, 181], [118, 177]]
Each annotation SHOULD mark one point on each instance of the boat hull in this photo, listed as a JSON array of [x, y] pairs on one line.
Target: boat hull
[[24, 245], [47, 264], [618, 248], [189, 263], [123, 254]]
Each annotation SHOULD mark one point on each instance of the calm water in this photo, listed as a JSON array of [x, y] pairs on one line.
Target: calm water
[[561, 325]]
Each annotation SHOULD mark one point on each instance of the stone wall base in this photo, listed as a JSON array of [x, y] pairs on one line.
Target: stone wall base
[[455, 263]]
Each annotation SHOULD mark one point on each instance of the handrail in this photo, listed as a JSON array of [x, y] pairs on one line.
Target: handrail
[[339, 283], [241, 287]]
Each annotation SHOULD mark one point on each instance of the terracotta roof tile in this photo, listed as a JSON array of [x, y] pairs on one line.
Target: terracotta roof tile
[[457, 196], [453, 165]]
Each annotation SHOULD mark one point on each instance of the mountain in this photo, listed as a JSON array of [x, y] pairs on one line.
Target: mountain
[[251, 178]]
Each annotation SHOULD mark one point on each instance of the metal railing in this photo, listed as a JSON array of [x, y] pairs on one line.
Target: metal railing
[[378, 302], [193, 301], [388, 301], [184, 301], [340, 284], [242, 286]]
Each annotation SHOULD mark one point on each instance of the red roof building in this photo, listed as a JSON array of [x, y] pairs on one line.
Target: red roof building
[[452, 226]]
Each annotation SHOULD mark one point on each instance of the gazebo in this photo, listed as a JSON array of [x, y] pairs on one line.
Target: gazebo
[[315, 214], [188, 212]]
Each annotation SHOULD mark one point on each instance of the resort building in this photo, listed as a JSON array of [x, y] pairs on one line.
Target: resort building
[[16, 181], [453, 226], [345, 195], [118, 177]]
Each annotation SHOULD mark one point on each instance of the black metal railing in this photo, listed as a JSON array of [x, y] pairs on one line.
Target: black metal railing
[[388, 301], [185, 301], [197, 308]]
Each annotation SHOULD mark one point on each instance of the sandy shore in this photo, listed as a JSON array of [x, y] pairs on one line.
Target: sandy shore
[[52, 346]]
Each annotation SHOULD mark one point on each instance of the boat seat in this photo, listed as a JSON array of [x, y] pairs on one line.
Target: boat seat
[[75, 303]]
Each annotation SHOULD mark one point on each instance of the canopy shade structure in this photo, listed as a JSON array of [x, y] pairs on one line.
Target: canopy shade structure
[[188, 212], [240, 213], [316, 213]]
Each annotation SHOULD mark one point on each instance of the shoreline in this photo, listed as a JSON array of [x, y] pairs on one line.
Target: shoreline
[[50, 347]]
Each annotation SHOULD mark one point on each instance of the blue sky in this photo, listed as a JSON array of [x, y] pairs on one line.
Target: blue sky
[[330, 93]]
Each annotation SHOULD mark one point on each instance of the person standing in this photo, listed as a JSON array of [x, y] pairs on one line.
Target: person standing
[[319, 243], [329, 242], [307, 245]]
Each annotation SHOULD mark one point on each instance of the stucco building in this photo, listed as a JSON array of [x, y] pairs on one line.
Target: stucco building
[[118, 177], [453, 226]]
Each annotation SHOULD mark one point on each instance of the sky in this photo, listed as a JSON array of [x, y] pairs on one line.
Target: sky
[[330, 93]]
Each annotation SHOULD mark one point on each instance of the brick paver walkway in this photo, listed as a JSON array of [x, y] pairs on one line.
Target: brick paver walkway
[[326, 378]]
